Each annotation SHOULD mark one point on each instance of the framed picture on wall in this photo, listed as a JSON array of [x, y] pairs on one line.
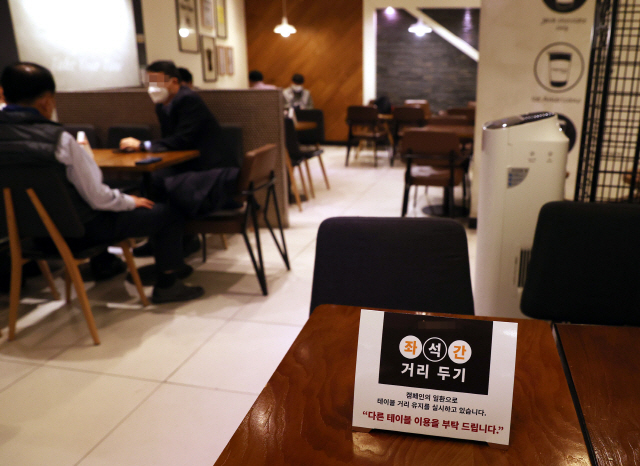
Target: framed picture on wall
[[187, 25], [209, 59], [208, 14], [222, 61], [221, 19], [229, 60]]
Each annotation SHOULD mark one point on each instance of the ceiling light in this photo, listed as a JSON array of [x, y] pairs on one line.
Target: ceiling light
[[284, 28], [419, 28]]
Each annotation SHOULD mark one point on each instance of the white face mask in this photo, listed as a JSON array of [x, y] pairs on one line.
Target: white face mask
[[158, 94], [296, 87]]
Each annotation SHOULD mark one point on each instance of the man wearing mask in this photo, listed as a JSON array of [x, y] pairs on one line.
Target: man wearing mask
[[185, 123], [296, 96], [27, 135]]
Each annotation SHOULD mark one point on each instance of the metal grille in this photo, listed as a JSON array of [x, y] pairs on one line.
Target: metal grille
[[608, 167]]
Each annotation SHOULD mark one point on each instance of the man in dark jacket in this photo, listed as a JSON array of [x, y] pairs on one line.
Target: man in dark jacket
[[27, 135]]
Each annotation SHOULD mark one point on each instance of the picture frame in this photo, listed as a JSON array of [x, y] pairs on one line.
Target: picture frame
[[187, 16], [208, 14], [222, 61], [229, 60], [221, 19], [209, 59]]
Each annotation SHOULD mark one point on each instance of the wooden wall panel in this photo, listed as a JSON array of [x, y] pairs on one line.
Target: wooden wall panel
[[326, 50]]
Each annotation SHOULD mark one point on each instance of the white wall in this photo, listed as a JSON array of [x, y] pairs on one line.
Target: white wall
[[369, 8], [160, 29]]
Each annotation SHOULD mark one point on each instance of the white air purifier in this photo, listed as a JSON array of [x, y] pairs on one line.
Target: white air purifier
[[523, 166]]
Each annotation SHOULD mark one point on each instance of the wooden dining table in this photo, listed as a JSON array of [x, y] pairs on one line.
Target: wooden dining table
[[303, 415], [112, 160], [604, 362]]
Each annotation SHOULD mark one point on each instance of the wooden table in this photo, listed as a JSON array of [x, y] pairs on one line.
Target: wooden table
[[108, 160], [605, 367], [303, 415], [464, 132]]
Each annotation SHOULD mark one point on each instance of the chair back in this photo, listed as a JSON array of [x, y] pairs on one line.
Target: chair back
[[315, 135], [116, 133], [409, 115], [52, 191], [362, 115], [291, 141], [468, 112], [414, 264], [89, 130], [421, 103], [435, 148], [584, 264], [257, 168]]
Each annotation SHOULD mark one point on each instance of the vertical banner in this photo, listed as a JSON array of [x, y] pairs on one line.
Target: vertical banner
[[534, 57]]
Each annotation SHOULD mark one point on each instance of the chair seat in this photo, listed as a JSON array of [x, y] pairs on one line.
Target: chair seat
[[424, 175]]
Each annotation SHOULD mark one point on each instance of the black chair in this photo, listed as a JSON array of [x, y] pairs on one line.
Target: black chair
[[414, 264], [314, 136], [89, 130], [116, 133], [585, 264], [299, 154], [38, 204], [434, 159], [256, 175], [364, 125], [405, 117]]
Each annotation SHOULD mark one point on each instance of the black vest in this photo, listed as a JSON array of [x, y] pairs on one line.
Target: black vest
[[29, 138]]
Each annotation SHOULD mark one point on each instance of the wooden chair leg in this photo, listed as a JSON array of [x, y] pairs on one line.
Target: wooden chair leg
[[292, 183], [324, 172], [133, 270], [313, 193], [361, 144], [46, 273], [76, 278], [225, 244]]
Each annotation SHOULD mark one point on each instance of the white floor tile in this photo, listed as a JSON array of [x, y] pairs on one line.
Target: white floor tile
[[176, 425], [56, 416], [241, 357]]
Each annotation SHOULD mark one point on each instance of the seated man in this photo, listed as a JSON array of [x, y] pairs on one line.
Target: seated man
[[107, 214], [297, 96], [256, 81], [185, 123]]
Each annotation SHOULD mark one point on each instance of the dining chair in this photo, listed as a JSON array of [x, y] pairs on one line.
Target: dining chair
[[295, 159], [413, 264], [584, 264], [421, 103], [304, 153], [468, 112], [405, 117], [37, 205], [257, 175], [433, 159], [364, 126]]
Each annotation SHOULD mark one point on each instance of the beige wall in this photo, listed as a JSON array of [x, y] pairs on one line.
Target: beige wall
[[160, 28]]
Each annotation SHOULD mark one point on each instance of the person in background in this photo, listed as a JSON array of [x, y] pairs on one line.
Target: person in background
[[186, 78], [185, 123], [256, 81], [108, 214], [297, 96]]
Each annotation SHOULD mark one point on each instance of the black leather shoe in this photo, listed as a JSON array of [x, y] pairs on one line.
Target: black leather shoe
[[176, 292]]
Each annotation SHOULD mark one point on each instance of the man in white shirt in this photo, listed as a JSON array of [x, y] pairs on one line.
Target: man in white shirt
[[28, 135]]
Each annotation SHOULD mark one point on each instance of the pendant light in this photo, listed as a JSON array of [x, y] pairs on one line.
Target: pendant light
[[419, 28], [284, 28]]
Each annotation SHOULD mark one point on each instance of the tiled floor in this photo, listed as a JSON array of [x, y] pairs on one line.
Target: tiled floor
[[170, 384]]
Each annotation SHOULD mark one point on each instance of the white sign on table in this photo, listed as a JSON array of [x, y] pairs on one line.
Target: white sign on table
[[435, 376]]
